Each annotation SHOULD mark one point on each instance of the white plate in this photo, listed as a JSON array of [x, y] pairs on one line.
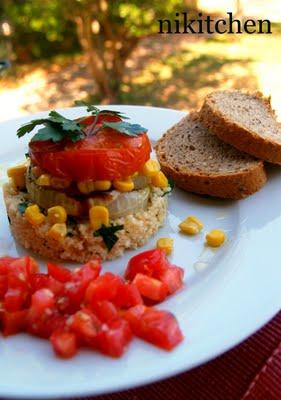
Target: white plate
[[229, 293]]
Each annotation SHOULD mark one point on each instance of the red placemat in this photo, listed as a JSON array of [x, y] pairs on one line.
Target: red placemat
[[251, 371]]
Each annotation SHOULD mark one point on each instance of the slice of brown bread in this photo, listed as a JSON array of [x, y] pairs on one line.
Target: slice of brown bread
[[245, 121], [201, 163]]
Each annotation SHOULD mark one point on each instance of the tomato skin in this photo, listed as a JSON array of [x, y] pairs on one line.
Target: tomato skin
[[105, 287], [105, 310], [127, 296], [85, 325], [13, 322], [14, 299], [64, 343], [88, 272], [107, 155], [114, 338], [151, 288], [155, 326], [173, 278], [59, 273], [151, 263]]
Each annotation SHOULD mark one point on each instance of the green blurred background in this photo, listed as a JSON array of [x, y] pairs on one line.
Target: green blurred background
[[108, 51]]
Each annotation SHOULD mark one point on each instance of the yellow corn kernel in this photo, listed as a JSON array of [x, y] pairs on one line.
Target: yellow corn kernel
[[160, 180], [86, 187], [215, 238], [189, 228], [125, 185], [57, 231], [60, 183], [150, 168], [44, 180], [102, 185], [166, 244], [37, 171], [57, 215], [17, 174], [196, 221], [98, 216], [33, 215]]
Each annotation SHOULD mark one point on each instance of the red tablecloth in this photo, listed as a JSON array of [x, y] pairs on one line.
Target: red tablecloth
[[251, 371]]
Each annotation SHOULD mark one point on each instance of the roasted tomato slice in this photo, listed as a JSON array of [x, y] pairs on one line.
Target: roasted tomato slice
[[107, 155], [151, 263]]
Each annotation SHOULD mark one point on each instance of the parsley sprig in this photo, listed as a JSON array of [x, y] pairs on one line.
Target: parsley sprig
[[108, 233], [56, 128]]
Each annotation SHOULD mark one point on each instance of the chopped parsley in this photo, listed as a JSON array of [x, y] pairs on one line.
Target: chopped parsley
[[171, 187], [22, 207], [108, 233]]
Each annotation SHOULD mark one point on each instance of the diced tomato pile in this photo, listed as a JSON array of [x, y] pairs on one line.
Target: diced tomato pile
[[82, 307]]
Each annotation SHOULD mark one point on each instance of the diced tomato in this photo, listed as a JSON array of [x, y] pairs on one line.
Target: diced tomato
[[105, 310], [127, 296], [64, 343], [85, 325], [5, 263], [151, 288], [70, 299], [14, 299], [173, 278], [40, 281], [3, 286], [114, 337], [59, 273], [105, 287], [151, 263], [88, 272], [42, 299], [155, 326], [13, 322]]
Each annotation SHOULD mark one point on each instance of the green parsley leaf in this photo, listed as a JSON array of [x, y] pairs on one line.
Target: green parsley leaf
[[108, 233], [56, 128], [22, 207], [126, 128], [96, 111], [28, 127], [171, 185], [49, 132]]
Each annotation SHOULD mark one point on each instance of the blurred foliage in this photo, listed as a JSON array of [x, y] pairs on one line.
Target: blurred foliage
[[106, 30], [39, 29]]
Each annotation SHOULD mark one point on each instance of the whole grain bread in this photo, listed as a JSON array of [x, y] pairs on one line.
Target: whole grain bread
[[201, 163], [244, 120]]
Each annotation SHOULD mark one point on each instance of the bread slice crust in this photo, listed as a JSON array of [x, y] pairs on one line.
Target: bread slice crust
[[229, 185], [233, 132]]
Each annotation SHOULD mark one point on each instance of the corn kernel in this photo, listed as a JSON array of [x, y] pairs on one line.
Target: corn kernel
[[150, 168], [57, 231], [60, 183], [98, 216], [196, 221], [126, 185], [33, 215], [44, 180], [57, 214], [17, 174], [37, 171], [86, 187], [102, 185], [189, 228], [215, 238], [166, 244], [160, 180]]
